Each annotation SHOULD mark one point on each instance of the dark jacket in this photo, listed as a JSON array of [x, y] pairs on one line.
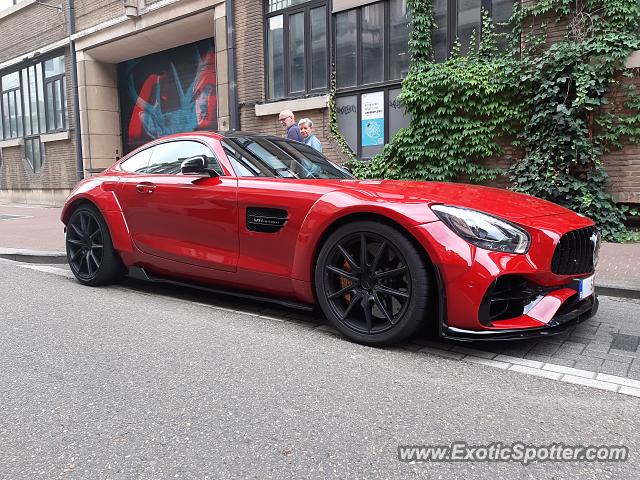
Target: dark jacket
[[293, 133]]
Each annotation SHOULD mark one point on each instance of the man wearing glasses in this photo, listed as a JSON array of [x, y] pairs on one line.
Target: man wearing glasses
[[288, 121]]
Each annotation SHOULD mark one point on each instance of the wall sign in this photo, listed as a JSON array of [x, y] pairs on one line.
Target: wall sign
[[372, 120]]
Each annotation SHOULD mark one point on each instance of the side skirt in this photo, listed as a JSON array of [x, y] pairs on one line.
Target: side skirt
[[140, 273]]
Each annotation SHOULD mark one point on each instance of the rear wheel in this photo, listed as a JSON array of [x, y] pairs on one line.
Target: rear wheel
[[372, 283], [90, 253]]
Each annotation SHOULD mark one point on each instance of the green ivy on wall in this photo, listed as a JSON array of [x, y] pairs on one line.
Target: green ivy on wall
[[550, 103], [459, 110], [571, 84]]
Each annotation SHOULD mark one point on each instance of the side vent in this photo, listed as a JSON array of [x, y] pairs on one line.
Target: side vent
[[266, 220]]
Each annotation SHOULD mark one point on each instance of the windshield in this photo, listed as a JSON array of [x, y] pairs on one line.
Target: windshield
[[273, 157]]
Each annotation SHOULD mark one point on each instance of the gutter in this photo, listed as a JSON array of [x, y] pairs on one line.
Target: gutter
[[234, 116], [71, 30]]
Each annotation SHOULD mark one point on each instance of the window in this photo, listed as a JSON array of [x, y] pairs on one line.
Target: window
[[369, 119], [371, 44], [137, 163], [11, 105], [461, 18], [55, 94], [346, 48], [297, 48], [167, 158], [398, 39], [372, 58], [33, 102], [274, 157]]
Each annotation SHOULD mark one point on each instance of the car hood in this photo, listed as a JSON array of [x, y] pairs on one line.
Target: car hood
[[495, 201]]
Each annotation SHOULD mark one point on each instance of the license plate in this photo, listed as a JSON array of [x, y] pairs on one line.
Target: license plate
[[585, 287]]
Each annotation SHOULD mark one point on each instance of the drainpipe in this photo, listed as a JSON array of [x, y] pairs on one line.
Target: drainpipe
[[71, 29], [234, 117]]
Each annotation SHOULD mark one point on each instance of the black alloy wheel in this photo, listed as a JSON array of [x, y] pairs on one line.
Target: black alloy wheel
[[90, 252], [372, 283]]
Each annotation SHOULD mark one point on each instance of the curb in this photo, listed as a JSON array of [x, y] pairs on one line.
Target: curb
[[609, 290], [33, 256]]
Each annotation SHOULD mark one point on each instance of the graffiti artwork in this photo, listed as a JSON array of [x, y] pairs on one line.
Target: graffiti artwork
[[168, 92]]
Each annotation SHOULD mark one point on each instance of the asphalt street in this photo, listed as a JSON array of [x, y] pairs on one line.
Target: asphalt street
[[131, 381]]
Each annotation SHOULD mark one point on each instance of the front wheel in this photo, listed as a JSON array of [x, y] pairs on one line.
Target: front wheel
[[372, 283], [90, 253]]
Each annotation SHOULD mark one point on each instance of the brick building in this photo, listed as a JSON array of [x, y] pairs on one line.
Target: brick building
[[144, 68], [85, 81], [366, 42]]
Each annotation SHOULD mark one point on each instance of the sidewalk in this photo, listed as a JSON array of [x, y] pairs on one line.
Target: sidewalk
[[35, 234], [31, 234]]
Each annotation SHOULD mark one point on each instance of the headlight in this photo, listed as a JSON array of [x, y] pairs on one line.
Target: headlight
[[483, 230]]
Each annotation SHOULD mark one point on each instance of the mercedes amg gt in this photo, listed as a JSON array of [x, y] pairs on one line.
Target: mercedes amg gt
[[263, 217]]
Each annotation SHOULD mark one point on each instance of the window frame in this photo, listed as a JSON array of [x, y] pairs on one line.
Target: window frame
[[24, 96], [386, 88], [386, 81], [452, 20], [164, 142], [52, 81], [305, 8], [16, 94]]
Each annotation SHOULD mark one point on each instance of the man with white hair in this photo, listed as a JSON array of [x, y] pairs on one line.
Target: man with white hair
[[288, 121]]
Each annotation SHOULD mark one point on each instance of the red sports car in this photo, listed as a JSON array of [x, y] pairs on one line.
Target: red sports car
[[264, 217]]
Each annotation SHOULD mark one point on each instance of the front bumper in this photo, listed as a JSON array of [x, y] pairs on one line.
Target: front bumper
[[469, 280], [559, 323]]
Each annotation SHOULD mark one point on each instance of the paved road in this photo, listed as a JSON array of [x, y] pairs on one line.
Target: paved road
[[118, 383]]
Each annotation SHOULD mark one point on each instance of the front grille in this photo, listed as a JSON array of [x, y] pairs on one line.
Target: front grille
[[574, 253]]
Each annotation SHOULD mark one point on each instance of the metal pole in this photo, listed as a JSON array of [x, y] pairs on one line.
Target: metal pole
[[71, 29], [234, 116]]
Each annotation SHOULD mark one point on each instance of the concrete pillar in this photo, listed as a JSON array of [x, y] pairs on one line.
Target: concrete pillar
[[222, 69], [99, 113]]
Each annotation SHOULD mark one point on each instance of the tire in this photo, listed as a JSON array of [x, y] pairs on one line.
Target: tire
[[90, 253], [385, 303]]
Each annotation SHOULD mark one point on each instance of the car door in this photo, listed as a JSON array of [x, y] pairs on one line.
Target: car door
[[191, 219], [271, 209]]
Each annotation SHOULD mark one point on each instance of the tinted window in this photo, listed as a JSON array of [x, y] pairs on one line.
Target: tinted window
[[168, 157], [270, 157], [138, 162]]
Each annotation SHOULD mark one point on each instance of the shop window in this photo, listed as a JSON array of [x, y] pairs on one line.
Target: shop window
[[33, 102], [462, 18], [369, 119], [297, 48]]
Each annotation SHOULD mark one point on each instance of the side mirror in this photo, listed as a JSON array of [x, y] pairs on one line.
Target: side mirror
[[197, 165]]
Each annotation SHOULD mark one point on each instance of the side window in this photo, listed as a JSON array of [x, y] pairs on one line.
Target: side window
[[137, 163], [242, 165], [167, 157]]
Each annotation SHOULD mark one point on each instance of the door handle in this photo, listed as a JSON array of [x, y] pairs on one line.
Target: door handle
[[146, 187]]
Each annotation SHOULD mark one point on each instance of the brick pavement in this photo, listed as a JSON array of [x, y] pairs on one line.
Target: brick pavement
[[607, 343]]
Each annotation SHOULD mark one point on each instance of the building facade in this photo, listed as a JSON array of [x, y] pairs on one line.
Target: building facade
[[82, 83]]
